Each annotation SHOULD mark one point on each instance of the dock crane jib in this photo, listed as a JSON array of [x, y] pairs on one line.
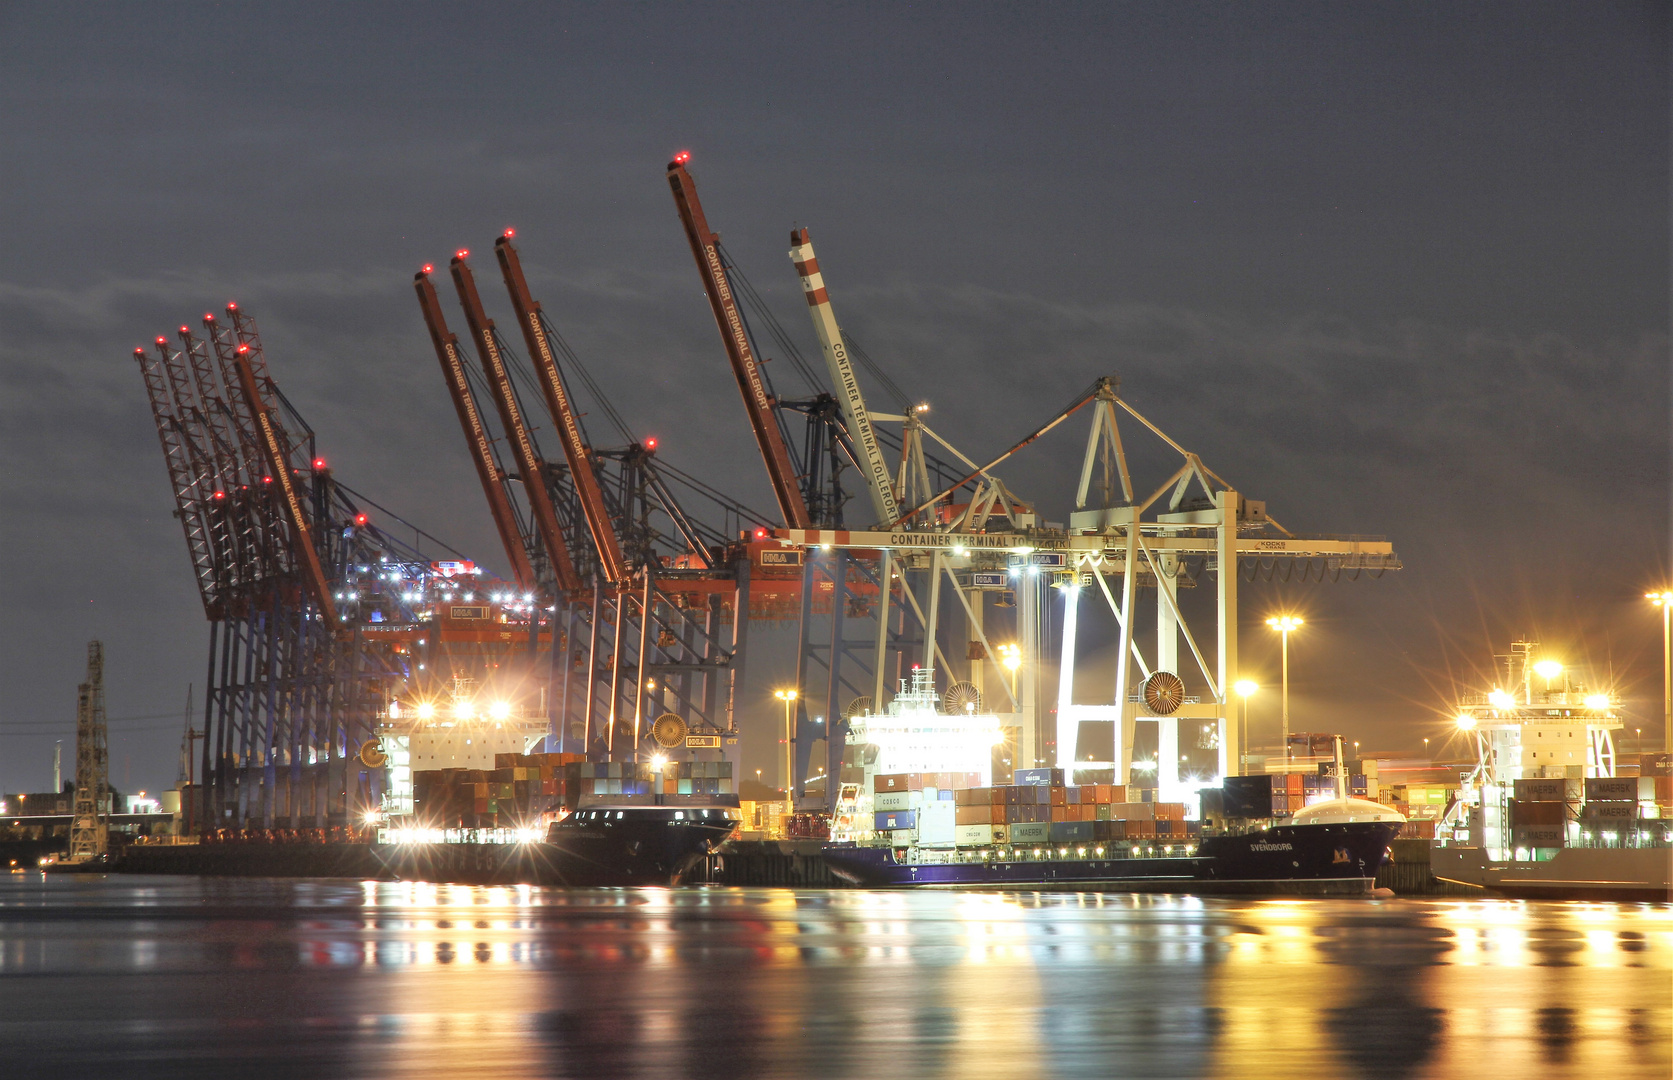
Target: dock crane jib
[[763, 418], [476, 434], [290, 500], [575, 448], [841, 368], [529, 464]]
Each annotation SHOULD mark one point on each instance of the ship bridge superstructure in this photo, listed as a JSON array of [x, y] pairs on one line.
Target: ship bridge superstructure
[[1540, 720]]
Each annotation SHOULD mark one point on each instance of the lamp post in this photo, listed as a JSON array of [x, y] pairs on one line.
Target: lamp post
[[1284, 624], [1664, 601], [1011, 657], [1244, 688], [789, 699]]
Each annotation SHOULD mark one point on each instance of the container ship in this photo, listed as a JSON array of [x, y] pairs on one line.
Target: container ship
[[1548, 811], [954, 829], [581, 822]]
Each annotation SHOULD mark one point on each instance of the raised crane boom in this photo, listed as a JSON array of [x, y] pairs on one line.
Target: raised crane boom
[[482, 449], [575, 448], [854, 414], [278, 460], [533, 470], [182, 477], [705, 248]]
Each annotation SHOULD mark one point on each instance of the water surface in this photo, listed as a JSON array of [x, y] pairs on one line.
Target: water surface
[[186, 977]]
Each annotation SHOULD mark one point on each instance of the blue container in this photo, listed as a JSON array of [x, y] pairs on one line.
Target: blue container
[[896, 819], [944, 795]]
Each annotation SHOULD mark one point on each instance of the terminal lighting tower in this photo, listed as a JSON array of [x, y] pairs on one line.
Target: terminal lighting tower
[[1664, 601], [90, 829], [1284, 624]]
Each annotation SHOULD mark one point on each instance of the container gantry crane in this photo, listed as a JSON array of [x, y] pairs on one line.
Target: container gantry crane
[[759, 401], [533, 470], [493, 479], [295, 677], [841, 369], [576, 451]]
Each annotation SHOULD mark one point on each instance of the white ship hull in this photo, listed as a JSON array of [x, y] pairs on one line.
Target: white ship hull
[[1622, 874]]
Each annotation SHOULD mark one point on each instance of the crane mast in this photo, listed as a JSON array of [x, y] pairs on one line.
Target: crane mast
[[705, 248], [575, 448], [290, 501], [482, 449], [853, 403], [517, 433]]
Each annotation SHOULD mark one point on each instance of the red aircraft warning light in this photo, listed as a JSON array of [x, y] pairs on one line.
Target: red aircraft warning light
[[319, 463], [760, 534], [360, 519], [243, 348], [509, 233], [462, 253], [682, 157], [232, 307], [185, 329], [650, 444], [429, 269], [162, 341]]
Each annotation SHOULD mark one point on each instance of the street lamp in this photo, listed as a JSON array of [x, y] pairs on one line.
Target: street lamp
[[1011, 657], [1426, 750], [1244, 688], [789, 699], [1664, 601], [1284, 624]]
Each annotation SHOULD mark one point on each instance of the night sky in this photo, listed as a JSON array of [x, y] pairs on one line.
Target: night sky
[[1396, 269]]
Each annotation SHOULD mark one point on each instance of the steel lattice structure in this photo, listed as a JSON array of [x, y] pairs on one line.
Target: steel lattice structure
[[294, 579]]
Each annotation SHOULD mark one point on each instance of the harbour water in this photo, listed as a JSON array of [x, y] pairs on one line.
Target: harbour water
[[189, 977]]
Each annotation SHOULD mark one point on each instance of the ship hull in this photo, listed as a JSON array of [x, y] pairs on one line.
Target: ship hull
[[1304, 860], [1625, 875], [630, 845]]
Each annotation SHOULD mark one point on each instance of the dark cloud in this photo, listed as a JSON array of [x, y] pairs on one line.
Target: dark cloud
[[1396, 271]]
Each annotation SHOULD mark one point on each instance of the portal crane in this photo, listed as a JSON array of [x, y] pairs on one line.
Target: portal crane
[[482, 449], [575, 448], [758, 402], [854, 413], [529, 464]]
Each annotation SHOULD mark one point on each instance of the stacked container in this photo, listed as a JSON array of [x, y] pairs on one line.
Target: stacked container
[[1540, 811]]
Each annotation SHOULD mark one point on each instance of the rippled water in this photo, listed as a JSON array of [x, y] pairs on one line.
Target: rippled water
[[184, 977]]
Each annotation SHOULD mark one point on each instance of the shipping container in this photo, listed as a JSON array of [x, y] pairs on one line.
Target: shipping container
[[1031, 832], [1537, 836], [888, 820], [974, 835], [1040, 777], [1547, 789], [890, 782], [894, 800], [974, 815], [1070, 831], [1620, 788], [1537, 813]]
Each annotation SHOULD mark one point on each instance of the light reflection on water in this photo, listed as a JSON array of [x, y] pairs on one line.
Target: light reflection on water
[[187, 977]]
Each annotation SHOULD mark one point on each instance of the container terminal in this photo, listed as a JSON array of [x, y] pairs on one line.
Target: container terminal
[[372, 691]]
